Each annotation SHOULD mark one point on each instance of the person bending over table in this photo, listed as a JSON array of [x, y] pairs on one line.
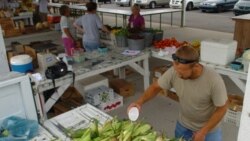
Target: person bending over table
[[90, 24], [201, 92], [136, 20]]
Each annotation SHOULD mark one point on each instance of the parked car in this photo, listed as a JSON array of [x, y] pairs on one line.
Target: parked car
[[190, 4], [123, 2], [242, 7], [104, 1], [152, 3], [217, 5]]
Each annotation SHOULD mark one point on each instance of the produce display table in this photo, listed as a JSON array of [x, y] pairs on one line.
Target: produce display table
[[242, 31], [98, 63], [24, 17], [124, 13], [78, 118], [235, 76]]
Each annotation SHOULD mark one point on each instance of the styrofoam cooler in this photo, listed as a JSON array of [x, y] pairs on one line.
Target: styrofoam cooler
[[218, 51], [21, 63]]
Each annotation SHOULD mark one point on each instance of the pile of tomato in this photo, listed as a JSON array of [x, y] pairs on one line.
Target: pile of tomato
[[172, 42]]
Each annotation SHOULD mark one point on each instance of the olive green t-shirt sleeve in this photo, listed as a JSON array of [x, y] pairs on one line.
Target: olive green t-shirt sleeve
[[165, 81], [218, 91]]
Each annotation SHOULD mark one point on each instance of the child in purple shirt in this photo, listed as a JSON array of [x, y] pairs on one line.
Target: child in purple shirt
[[136, 20]]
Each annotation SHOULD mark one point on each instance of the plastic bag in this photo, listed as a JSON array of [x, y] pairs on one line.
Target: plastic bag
[[19, 129]]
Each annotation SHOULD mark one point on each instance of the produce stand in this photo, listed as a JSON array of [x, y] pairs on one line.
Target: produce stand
[[78, 118], [98, 63], [24, 17], [124, 13]]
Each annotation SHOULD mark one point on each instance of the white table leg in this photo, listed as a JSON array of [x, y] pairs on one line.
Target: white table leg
[[122, 72], [44, 113], [39, 105], [55, 96], [146, 73], [240, 84], [31, 21]]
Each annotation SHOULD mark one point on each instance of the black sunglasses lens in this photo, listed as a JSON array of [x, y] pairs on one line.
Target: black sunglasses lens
[[180, 60], [174, 57]]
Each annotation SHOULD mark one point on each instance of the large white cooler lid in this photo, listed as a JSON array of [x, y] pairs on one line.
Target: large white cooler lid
[[222, 43], [20, 60]]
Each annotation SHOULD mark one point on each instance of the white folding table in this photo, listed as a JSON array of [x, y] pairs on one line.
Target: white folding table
[[235, 76], [103, 63]]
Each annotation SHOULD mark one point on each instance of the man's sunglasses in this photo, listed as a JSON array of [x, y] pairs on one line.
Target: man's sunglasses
[[181, 60]]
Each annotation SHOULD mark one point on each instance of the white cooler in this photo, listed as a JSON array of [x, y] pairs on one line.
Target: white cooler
[[21, 63], [218, 51]]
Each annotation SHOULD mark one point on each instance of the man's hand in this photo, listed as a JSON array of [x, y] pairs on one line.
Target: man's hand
[[134, 105], [199, 136]]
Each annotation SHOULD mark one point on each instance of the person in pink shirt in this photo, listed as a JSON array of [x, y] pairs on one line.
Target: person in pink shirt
[[136, 20]]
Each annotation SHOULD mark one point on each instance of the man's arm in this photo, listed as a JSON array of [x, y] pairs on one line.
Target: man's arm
[[212, 122], [79, 28], [105, 29], [150, 93]]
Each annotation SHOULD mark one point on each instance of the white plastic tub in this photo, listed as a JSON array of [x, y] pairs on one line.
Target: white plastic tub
[[218, 51], [21, 63]]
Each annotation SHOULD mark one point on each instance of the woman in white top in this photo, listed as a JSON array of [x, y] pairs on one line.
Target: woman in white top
[[68, 31]]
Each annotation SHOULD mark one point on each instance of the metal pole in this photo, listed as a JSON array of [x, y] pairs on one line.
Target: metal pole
[[115, 19], [171, 18], [183, 13], [160, 21], [150, 21]]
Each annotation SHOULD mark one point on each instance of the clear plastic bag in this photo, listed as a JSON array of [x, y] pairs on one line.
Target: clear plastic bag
[[19, 129]]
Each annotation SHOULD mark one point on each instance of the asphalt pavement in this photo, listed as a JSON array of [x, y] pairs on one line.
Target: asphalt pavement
[[195, 19]]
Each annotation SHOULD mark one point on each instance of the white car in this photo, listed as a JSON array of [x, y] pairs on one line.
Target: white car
[[152, 3], [190, 4], [123, 2]]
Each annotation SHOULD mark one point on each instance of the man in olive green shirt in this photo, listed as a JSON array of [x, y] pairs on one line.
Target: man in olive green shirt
[[202, 96]]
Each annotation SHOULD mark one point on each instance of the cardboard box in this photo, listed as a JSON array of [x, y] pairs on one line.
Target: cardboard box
[[36, 47], [7, 23], [122, 87], [112, 104], [12, 32], [235, 102], [17, 47], [70, 99], [72, 93]]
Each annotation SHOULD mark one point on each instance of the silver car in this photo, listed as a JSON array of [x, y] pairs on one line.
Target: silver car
[[152, 3], [123, 2]]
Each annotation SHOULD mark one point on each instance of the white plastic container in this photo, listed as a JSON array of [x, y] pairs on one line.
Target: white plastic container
[[21, 63], [218, 51], [133, 114]]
